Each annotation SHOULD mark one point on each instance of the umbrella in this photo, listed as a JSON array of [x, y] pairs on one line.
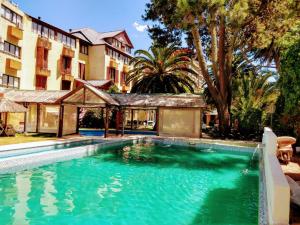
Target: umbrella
[[8, 106]]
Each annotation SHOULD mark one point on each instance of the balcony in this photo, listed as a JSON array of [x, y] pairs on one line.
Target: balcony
[[44, 43], [15, 32], [13, 64], [113, 63], [68, 52], [125, 88], [65, 71], [67, 77], [125, 68], [42, 71]]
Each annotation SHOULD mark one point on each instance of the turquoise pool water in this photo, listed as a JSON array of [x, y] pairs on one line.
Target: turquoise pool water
[[140, 185]]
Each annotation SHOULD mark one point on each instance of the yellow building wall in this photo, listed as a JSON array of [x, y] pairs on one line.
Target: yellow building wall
[[96, 63], [54, 55], [82, 58], [4, 36], [179, 122], [99, 62]]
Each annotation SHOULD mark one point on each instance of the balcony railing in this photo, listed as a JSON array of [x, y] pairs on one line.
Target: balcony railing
[[13, 64], [66, 71], [15, 32], [68, 52], [42, 72], [44, 43]]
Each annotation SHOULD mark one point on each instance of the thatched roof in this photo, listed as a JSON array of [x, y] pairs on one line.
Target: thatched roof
[[96, 83], [87, 94], [8, 106], [164, 100], [35, 96]]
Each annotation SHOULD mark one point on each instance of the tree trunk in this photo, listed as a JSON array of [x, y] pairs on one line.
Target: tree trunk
[[224, 119], [220, 95]]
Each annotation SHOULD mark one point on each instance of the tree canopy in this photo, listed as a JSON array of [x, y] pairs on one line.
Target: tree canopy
[[221, 29], [162, 70]]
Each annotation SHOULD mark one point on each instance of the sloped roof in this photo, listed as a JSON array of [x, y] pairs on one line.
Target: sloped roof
[[35, 96], [164, 100], [96, 38], [95, 83], [7, 106], [126, 100], [77, 96]]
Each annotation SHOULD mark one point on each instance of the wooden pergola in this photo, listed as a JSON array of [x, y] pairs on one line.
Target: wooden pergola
[[87, 96]]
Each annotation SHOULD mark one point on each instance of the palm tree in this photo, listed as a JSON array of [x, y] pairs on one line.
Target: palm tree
[[162, 70], [254, 97]]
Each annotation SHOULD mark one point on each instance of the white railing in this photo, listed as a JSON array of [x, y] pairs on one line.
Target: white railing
[[277, 188]]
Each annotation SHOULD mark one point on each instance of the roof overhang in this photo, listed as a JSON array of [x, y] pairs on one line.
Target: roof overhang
[[87, 96]]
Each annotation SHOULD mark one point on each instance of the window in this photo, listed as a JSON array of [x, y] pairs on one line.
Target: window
[[42, 30], [41, 83], [84, 49], [8, 81], [66, 65], [11, 16], [112, 74], [65, 85], [123, 78], [81, 71], [68, 41], [127, 49], [12, 49]]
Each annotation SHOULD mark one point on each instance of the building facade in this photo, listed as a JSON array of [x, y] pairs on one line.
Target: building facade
[[35, 55]]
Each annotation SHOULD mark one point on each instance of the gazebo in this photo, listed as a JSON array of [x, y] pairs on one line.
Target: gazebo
[[176, 115], [8, 106], [58, 111]]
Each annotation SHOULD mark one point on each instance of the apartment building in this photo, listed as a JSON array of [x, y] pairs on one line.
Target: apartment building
[[35, 55], [108, 54]]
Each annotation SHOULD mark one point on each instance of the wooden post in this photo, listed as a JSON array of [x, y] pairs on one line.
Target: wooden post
[[25, 121], [77, 120], [106, 122], [38, 111], [122, 120], [157, 122], [131, 123], [200, 135], [117, 122], [6, 118], [61, 121]]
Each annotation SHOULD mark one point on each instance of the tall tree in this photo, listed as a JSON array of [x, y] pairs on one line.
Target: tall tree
[[254, 96], [222, 28], [162, 70]]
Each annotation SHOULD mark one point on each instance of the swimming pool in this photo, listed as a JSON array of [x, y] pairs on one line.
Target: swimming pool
[[136, 184], [99, 133]]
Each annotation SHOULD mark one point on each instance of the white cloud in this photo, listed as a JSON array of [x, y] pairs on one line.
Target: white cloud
[[140, 27]]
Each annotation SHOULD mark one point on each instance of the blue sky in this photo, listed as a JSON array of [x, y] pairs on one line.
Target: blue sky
[[101, 15]]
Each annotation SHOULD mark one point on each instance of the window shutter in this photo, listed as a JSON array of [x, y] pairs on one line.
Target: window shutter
[[122, 80], [117, 77], [61, 64], [70, 65], [39, 57], [108, 77], [83, 71]]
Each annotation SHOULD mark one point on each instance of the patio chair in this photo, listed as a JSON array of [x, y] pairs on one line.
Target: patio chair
[[10, 131], [284, 148]]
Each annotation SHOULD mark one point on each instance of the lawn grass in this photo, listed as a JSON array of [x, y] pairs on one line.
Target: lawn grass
[[23, 138]]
